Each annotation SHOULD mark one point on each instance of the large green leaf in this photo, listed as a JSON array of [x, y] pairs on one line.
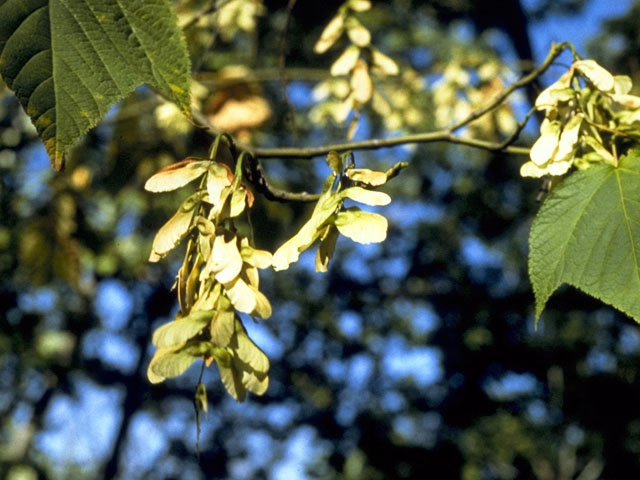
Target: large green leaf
[[587, 234], [69, 61]]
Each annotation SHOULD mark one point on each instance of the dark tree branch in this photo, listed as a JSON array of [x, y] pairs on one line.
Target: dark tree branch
[[256, 176]]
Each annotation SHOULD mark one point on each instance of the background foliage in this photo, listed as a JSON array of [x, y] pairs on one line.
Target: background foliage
[[415, 358]]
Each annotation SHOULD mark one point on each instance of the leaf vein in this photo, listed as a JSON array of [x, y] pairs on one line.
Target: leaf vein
[[629, 231]]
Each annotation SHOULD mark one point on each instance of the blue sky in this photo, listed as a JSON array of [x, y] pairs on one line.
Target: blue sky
[[575, 28]]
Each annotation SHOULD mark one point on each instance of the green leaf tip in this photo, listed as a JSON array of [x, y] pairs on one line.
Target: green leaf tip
[[70, 61], [587, 234]]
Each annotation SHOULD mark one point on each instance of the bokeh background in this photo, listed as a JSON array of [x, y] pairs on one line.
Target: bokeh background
[[417, 358]]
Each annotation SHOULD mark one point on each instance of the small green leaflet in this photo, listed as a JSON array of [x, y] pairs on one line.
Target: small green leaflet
[[587, 234], [69, 61], [169, 363], [246, 368], [289, 252], [177, 333]]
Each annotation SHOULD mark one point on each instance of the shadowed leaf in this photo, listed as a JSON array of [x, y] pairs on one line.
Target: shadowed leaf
[[69, 61]]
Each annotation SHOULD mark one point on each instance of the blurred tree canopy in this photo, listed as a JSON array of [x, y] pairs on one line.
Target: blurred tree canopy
[[414, 358]]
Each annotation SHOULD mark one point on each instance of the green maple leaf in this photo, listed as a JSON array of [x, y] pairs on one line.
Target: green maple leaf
[[69, 61], [587, 234]]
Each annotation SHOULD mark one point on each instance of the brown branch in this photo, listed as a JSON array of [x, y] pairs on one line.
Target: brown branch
[[377, 143], [446, 135], [371, 144], [256, 177]]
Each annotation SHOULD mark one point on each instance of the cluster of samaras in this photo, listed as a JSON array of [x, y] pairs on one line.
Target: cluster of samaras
[[219, 279]]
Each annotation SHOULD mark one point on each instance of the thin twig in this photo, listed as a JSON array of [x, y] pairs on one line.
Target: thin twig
[[519, 127], [377, 143], [446, 135]]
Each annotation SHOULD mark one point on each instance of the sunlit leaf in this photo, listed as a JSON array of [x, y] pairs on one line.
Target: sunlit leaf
[[622, 84], [207, 295], [247, 368], [345, 62], [250, 361], [217, 180], [223, 324], [225, 261], [340, 112], [364, 175], [289, 252], [255, 381], [630, 102], [237, 114], [174, 230], [545, 147], [587, 234], [330, 34], [256, 258], [168, 363], [176, 175], [251, 276], [361, 227], [178, 332], [530, 169], [238, 202], [358, 33], [242, 297], [559, 168], [361, 84], [192, 284], [360, 5], [384, 64], [605, 155], [600, 77], [548, 98], [568, 138], [262, 307], [368, 197], [207, 230], [181, 279], [230, 378]]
